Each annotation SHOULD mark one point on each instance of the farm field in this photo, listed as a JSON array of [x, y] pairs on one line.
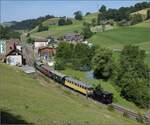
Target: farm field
[[117, 38], [109, 86], [40, 101]]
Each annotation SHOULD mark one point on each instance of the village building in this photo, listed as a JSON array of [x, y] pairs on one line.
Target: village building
[[46, 52], [40, 43], [73, 38], [14, 58]]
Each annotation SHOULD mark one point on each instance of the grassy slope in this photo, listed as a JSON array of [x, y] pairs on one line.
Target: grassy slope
[[117, 38], [145, 24], [57, 31], [25, 96]]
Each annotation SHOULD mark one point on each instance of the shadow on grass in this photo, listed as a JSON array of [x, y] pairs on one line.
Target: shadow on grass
[[9, 118]]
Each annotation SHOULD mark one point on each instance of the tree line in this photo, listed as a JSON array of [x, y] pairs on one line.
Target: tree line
[[7, 33], [30, 23], [123, 12], [129, 71]]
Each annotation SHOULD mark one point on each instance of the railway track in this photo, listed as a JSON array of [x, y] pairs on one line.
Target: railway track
[[116, 107]]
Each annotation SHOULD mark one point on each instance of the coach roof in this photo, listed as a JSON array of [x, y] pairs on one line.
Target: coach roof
[[78, 82]]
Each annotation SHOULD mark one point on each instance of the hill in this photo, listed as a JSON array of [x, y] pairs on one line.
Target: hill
[[57, 31], [119, 37], [43, 102]]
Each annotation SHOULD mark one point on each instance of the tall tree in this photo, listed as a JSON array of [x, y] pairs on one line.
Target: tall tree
[[86, 31], [78, 15], [103, 64], [134, 76], [103, 9]]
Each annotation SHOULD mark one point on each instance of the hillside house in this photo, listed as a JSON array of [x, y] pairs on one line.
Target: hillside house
[[46, 52], [74, 37], [14, 58], [40, 43]]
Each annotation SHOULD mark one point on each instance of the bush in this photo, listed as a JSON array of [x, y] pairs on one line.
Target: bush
[[59, 65], [136, 18], [42, 28], [125, 114], [110, 107], [64, 21], [61, 21]]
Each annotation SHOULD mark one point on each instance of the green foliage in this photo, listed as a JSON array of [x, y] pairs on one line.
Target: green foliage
[[59, 64], [42, 28], [99, 18], [103, 64], [98, 87], [78, 15], [64, 21], [94, 23], [61, 21], [30, 23], [88, 13], [136, 18], [30, 40], [123, 12], [6, 33], [133, 76], [86, 31], [68, 21], [77, 56], [110, 108], [103, 9]]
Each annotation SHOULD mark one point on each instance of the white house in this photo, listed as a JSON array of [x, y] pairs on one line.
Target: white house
[[40, 43], [14, 58]]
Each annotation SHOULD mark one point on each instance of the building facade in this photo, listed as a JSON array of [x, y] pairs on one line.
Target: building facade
[[14, 58], [40, 43], [2, 46]]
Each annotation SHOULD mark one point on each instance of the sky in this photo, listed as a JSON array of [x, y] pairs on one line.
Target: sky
[[17, 10]]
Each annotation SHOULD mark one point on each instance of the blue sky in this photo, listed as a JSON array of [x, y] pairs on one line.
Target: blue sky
[[25, 9]]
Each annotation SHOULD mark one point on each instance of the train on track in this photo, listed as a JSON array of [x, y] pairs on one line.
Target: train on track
[[81, 87]]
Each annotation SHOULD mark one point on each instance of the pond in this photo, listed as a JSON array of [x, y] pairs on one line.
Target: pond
[[89, 75]]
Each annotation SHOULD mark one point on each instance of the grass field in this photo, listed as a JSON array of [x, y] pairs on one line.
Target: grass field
[[46, 103], [119, 37]]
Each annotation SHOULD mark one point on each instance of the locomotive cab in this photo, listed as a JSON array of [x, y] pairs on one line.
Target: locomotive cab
[[103, 96]]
